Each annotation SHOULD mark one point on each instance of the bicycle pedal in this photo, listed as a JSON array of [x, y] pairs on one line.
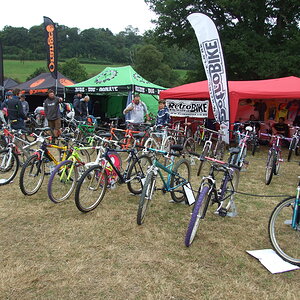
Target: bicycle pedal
[[222, 212]]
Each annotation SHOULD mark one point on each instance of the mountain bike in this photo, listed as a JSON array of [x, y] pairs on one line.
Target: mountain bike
[[274, 157], [178, 175], [284, 228], [106, 170], [294, 143], [209, 194]]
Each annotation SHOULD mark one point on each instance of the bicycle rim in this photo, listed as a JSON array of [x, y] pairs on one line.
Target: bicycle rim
[[9, 165], [32, 175], [270, 167], [91, 189], [284, 238]]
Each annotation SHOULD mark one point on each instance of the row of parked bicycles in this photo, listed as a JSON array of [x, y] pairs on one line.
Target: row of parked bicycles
[[89, 160]]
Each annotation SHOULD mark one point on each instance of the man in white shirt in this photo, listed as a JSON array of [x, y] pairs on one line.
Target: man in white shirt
[[137, 109]]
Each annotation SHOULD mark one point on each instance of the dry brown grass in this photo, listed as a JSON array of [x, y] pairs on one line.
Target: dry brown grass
[[53, 251]]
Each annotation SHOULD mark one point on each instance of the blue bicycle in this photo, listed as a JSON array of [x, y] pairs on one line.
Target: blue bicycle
[[284, 228]]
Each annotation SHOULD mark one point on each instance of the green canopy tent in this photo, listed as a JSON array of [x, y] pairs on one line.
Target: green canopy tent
[[112, 89]]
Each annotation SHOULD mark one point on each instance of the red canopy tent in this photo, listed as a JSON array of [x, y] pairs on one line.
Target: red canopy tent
[[280, 88]]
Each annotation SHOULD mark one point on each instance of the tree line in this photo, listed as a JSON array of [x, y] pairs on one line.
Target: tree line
[[260, 38]]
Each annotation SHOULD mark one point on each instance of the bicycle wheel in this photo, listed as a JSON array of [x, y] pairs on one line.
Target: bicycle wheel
[[91, 188], [291, 149], [198, 213], [253, 145], [284, 238], [220, 150], [297, 151], [205, 152], [137, 174], [270, 168], [189, 145], [228, 207], [9, 166], [32, 175], [62, 181], [167, 143], [183, 169], [146, 196], [277, 165], [151, 143]]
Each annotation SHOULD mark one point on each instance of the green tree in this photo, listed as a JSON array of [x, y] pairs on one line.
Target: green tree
[[37, 72], [73, 70], [259, 37], [149, 64]]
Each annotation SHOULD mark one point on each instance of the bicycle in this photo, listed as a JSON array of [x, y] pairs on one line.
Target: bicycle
[[274, 157], [178, 175], [294, 143], [284, 228], [218, 150], [209, 193], [105, 170]]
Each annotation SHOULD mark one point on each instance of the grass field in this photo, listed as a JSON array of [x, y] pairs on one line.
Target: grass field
[[19, 71], [53, 251]]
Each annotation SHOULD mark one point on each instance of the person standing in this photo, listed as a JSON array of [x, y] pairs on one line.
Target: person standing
[[15, 111], [76, 105], [163, 115], [137, 109], [84, 108], [25, 105], [52, 113]]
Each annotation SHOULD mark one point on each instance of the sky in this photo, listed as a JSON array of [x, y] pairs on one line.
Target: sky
[[112, 14]]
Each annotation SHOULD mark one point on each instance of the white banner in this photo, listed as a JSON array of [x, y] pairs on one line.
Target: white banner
[[188, 108], [213, 62]]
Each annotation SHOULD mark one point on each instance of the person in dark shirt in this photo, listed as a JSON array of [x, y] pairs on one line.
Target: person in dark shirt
[[76, 105], [163, 114], [281, 127], [83, 107], [52, 112], [253, 123], [15, 111]]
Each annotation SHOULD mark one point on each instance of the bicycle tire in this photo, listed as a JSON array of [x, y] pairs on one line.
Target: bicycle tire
[[204, 153], [167, 143], [32, 175], [9, 166], [189, 145], [178, 195], [137, 172], [284, 239], [253, 146], [297, 151], [151, 143], [291, 149], [59, 183], [270, 167], [199, 211], [277, 165], [146, 196], [220, 150], [88, 187]]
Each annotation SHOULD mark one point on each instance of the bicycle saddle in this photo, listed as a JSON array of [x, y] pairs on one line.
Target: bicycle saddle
[[177, 148], [234, 150]]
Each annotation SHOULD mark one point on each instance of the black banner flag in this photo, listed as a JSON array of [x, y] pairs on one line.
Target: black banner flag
[[51, 44]]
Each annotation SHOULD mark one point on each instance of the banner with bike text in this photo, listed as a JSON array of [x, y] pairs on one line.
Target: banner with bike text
[[51, 46], [188, 108], [213, 62]]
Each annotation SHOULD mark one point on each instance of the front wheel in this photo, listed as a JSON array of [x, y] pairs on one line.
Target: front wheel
[[204, 153], [9, 166], [183, 171], [137, 174], [189, 145], [32, 175], [284, 238], [291, 149], [198, 213], [62, 181], [270, 168], [146, 196], [91, 188]]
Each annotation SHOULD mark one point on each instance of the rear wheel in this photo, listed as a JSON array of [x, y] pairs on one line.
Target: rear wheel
[[146, 196], [270, 168], [220, 150], [189, 145], [198, 213], [32, 175], [291, 148], [183, 169], [167, 143], [62, 181], [9, 166], [137, 174], [91, 188], [284, 238]]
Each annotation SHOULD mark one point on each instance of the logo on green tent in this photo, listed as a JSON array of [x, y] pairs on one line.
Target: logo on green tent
[[106, 76], [140, 78]]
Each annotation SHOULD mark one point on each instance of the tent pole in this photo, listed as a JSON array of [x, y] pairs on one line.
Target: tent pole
[[56, 86]]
